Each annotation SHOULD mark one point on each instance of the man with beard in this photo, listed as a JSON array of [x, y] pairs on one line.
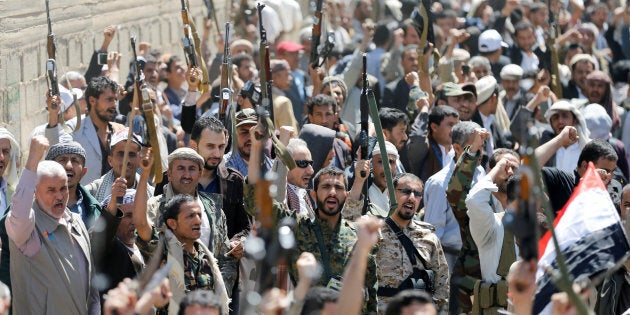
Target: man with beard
[[599, 91], [410, 255], [487, 202], [9, 158], [116, 255], [209, 138], [51, 258], [239, 158], [102, 187], [394, 123], [184, 171], [329, 237], [581, 66], [98, 127], [378, 194]]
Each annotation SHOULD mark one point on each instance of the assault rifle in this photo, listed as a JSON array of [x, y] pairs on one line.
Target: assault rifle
[[423, 23], [363, 134], [226, 91], [51, 64], [265, 75], [192, 48], [316, 33], [554, 72]]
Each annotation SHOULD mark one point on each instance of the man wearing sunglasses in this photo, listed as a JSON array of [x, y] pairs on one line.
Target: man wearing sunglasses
[[410, 255], [299, 178]]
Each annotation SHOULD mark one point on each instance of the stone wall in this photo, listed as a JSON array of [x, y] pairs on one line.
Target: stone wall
[[78, 26]]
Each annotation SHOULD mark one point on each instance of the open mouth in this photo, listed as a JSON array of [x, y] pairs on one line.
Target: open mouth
[[186, 181], [332, 202], [409, 206], [70, 175]]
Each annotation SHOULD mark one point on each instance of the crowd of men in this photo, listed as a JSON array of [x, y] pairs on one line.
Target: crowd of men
[[88, 217]]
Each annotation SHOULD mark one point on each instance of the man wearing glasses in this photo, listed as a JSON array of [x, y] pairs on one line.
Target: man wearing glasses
[[410, 255], [299, 178]]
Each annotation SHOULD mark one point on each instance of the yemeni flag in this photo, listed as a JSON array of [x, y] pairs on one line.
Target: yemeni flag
[[589, 233]]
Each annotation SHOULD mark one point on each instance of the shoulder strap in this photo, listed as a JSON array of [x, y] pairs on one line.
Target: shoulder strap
[[411, 250], [508, 253], [322, 249]]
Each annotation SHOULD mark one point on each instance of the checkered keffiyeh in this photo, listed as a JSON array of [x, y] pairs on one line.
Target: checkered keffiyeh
[[61, 148]]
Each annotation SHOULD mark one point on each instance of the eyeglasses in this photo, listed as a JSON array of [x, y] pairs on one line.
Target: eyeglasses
[[304, 163], [407, 191]]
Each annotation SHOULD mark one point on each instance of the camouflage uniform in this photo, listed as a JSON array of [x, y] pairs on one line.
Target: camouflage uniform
[[189, 272], [339, 242], [467, 269], [392, 260], [219, 242]]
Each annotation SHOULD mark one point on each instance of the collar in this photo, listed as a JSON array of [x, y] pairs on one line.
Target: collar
[[487, 120], [3, 183]]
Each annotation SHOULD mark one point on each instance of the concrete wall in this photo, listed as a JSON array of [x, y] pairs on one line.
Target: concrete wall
[[78, 26]]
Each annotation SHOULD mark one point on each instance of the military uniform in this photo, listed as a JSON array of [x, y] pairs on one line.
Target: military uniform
[[467, 270], [218, 243], [338, 243], [393, 262]]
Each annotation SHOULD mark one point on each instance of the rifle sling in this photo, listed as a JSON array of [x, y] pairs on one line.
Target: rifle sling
[[322, 249], [410, 249]]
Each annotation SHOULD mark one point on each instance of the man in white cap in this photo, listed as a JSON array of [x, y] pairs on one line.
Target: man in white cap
[[581, 66], [102, 187], [9, 157], [377, 192], [491, 46], [487, 103], [54, 131], [512, 95]]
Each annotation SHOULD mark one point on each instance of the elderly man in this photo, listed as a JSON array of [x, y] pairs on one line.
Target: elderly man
[[9, 157], [299, 178], [71, 156], [51, 264], [599, 91], [512, 95]]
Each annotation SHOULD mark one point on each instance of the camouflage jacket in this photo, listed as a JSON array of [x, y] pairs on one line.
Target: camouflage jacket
[[218, 243], [339, 242], [467, 268], [394, 265]]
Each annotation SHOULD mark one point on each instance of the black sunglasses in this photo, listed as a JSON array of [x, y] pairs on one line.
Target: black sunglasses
[[304, 163], [407, 191]]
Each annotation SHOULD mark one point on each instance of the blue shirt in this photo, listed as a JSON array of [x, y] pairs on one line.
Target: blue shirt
[[212, 188], [78, 207]]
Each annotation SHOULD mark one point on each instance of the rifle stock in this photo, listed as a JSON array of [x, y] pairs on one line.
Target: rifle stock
[[265, 75]]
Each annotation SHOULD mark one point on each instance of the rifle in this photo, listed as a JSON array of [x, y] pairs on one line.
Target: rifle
[[423, 23], [141, 97], [267, 99], [226, 92], [363, 134], [316, 33], [554, 72], [192, 48], [265, 75], [212, 13], [51, 64]]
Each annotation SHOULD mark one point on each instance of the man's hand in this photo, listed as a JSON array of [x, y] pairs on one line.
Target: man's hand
[[53, 113], [119, 187], [368, 230], [361, 167], [307, 267], [425, 58], [236, 245], [510, 5], [541, 96], [193, 77], [144, 48], [108, 36], [286, 133], [146, 160], [39, 145], [568, 136], [503, 170], [458, 36], [522, 286], [480, 136], [412, 78]]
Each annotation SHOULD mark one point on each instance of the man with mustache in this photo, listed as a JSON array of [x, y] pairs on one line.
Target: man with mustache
[[9, 155], [299, 178], [98, 127], [51, 258], [413, 260], [184, 171], [239, 158], [102, 187], [328, 236]]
